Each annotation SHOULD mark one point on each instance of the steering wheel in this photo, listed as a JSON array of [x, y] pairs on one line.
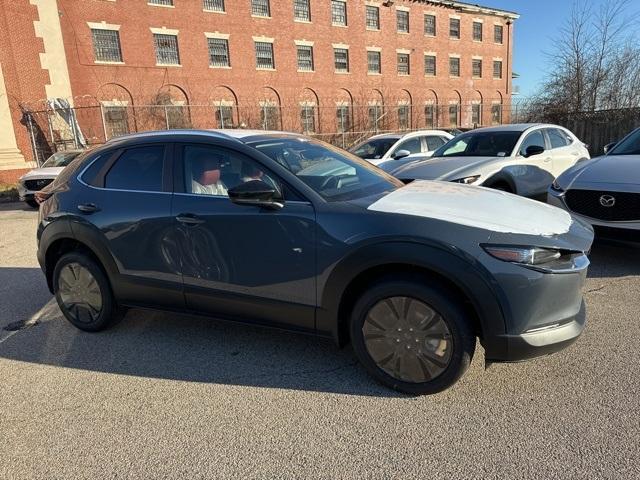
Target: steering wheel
[[330, 182]]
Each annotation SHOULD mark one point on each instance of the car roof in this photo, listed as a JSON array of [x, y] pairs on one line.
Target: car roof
[[514, 127], [237, 134], [415, 133]]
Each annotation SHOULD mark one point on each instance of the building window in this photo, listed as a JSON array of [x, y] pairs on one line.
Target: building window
[[404, 67], [496, 114], [454, 66], [404, 114], [264, 56], [430, 65], [373, 18], [165, 3], [454, 28], [375, 117], [476, 67], [453, 114], [430, 25], [301, 10], [308, 118], [260, 8], [476, 114], [497, 69], [343, 118], [402, 21], [498, 34], [341, 59], [166, 49], [305, 58], [224, 116], [106, 45], [430, 116], [116, 121], [339, 12], [477, 31], [213, 5], [218, 52], [373, 62], [269, 117]]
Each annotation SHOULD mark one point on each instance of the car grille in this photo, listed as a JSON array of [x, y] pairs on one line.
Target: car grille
[[625, 208], [37, 184]]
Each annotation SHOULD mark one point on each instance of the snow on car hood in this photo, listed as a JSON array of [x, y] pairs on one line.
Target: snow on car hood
[[49, 172], [623, 169], [441, 168], [475, 207]]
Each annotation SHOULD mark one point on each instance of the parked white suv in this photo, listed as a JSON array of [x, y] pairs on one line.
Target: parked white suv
[[395, 146]]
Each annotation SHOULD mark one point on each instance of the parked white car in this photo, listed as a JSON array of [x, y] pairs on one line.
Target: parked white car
[[395, 146], [523, 159], [39, 178]]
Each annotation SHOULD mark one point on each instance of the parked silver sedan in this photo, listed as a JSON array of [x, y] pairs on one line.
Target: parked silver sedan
[[39, 178], [605, 191]]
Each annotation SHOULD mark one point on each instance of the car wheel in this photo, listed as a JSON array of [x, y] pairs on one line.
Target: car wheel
[[32, 204], [412, 337], [503, 187], [83, 293]]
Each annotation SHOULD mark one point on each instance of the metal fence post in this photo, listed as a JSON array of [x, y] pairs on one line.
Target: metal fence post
[[166, 118], [104, 125]]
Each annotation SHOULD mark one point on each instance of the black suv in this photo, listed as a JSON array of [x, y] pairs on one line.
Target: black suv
[[283, 230]]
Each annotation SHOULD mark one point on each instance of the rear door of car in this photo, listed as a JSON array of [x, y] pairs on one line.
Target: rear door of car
[[563, 151]]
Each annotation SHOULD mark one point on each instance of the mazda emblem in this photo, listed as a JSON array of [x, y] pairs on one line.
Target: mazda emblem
[[607, 201]]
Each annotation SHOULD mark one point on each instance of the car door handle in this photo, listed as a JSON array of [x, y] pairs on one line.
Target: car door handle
[[189, 219], [88, 207], [547, 159]]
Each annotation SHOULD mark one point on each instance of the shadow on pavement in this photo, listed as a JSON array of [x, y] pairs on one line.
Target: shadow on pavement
[[18, 206], [614, 259]]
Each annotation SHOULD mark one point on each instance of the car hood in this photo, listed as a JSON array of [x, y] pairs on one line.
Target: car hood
[[621, 169], [477, 207], [49, 172], [441, 168]]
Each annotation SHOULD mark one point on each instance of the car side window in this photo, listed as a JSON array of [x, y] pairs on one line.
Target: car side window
[[138, 168], [434, 143], [412, 145], [210, 170], [533, 139], [557, 138]]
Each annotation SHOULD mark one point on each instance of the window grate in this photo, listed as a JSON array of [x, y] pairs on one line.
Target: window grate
[[373, 17], [305, 58], [373, 62], [270, 117], [339, 12], [496, 114], [430, 65], [161, 2], [454, 67], [476, 114], [218, 52], [404, 112], [430, 116], [476, 68], [224, 116], [454, 28], [301, 10], [498, 34], [341, 59], [308, 119], [106, 45], [213, 5], [375, 117], [430, 25], [343, 118], [402, 21], [497, 69], [166, 49], [477, 31], [404, 66], [260, 8], [453, 115], [264, 55]]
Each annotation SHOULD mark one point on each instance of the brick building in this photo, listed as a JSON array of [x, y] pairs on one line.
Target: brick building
[[329, 68]]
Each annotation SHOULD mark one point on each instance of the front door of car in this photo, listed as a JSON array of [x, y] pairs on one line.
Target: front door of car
[[544, 160], [244, 262], [564, 155], [411, 145]]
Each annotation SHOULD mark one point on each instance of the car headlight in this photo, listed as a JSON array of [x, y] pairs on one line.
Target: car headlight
[[523, 255], [555, 186], [467, 180]]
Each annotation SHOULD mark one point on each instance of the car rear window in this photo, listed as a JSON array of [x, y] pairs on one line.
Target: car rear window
[[137, 169]]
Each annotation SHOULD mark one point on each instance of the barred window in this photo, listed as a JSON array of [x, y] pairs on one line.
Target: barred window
[[116, 121], [166, 49], [430, 65], [343, 118], [476, 114], [404, 66], [430, 25], [106, 45], [308, 118], [375, 117], [218, 52], [403, 117], [402, 21], [161, 2], [373, 62], [496, 114], [305, 58], [476, 68], [224, 116], [373, 17], [498, 34], [430, 116], [339, 12], [477, 31], [454, 27], [213, 5], [260, 8], [341, 59], [454, 66], [497, 69], [264, 55], [270, 117], [453, 114], [301, 10]]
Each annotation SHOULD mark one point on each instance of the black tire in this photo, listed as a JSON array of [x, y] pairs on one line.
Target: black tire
[[84, 317], [461, 339], [503, 187], [33, 204]]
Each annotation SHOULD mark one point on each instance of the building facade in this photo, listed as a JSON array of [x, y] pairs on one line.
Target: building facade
[[78, 72]]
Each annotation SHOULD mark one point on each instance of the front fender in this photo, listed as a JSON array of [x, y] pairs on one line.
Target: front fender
[[524, 180]]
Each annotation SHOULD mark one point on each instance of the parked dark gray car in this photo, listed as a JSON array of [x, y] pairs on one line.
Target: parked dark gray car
[[282, 230]]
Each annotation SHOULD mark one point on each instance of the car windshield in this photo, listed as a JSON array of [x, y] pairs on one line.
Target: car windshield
[[628, 146], [60, 159], [480, 144], [334, 174], [374, 148]]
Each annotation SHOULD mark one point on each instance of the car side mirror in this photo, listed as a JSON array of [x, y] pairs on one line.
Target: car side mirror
[[256, 193], [609, 146], [401, 154], [533, 150]]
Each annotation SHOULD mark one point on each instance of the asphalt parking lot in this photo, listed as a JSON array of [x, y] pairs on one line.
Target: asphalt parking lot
[[162, 395]]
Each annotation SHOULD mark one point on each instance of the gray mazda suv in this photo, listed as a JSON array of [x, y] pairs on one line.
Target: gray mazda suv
[[282, 230]]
